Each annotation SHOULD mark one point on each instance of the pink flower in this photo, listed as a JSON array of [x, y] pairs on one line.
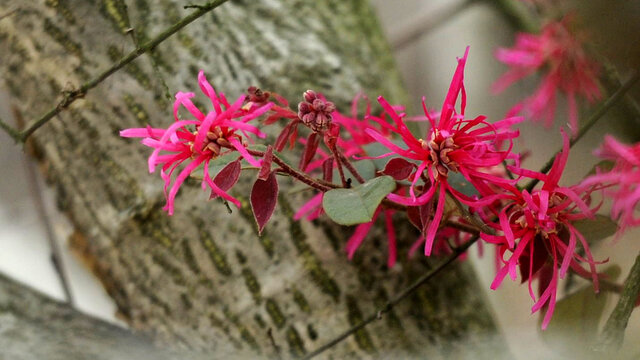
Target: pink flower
[[622, 182], [199, 139], [454, 144], [537, 227], [558, 53]]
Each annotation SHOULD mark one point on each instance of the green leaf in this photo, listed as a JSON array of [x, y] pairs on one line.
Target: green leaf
[[574, 327], [357, 204], [366, 168], [596, 229], [377, 149], [458, 182]]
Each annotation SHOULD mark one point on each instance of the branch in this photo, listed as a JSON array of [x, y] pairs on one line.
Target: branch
[[35, 326], [613, 333], [71, 96], [608, 104], [398, 298], [522, 19]]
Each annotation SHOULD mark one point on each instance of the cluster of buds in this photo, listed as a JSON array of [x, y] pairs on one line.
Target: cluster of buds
[[315, 112]]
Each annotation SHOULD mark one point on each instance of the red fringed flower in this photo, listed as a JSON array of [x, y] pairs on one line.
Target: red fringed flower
[[556, 52], [200, 138], [454, 144], [622, 181], [537, 227]]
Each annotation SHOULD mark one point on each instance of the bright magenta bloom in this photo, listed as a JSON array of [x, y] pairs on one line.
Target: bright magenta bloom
[[199, 139], [557, 52], [537, 226], [455, 144], [622, 182]]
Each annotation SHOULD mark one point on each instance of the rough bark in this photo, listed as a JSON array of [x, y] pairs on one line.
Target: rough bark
[[203, 279], [33, 326]]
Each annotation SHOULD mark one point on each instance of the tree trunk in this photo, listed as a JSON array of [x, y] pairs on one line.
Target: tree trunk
[[202, 278]]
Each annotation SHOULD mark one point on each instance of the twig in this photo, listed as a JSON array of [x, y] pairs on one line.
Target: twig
[[398, 298], [612, 335], [608, 104], [350, 167], [9, 13], [338, 160], [518, 14], [154, 64], [73, 95], [285, 168], [36, 192], [15, 134], [470, 218], [462, 226], [522, 19]]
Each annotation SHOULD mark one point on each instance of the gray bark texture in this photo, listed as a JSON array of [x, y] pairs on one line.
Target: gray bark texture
[[202, 279], [35, 327]]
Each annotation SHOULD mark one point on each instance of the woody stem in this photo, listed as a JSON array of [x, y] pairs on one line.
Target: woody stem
[[285, 168], [336, 156]]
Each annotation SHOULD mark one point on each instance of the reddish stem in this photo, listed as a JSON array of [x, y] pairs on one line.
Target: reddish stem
[[285, 168], [350, 167]]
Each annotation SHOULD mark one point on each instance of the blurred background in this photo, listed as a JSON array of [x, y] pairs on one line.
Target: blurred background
[[426, 36]]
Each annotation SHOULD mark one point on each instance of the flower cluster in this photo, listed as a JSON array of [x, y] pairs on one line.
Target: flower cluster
[[542, 222], [198, 139], [459, 183], [455, 144], [557, 52], [622, 181]]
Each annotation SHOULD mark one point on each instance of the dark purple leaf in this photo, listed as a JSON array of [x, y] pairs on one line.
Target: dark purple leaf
[[267, 159], [264, 197], [419, 216], [398, 168], [327, 169], [281, 141], [271, 119], [540, 257], [294, 135], [227, 177], [309, 150]]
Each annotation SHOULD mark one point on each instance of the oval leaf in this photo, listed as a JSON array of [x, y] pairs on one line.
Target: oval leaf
[[458, 182], [227, 177], [310, 149], [596, 229], [366, 168], [398, 168], [267, 159], [264, 197], [358, 204]]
